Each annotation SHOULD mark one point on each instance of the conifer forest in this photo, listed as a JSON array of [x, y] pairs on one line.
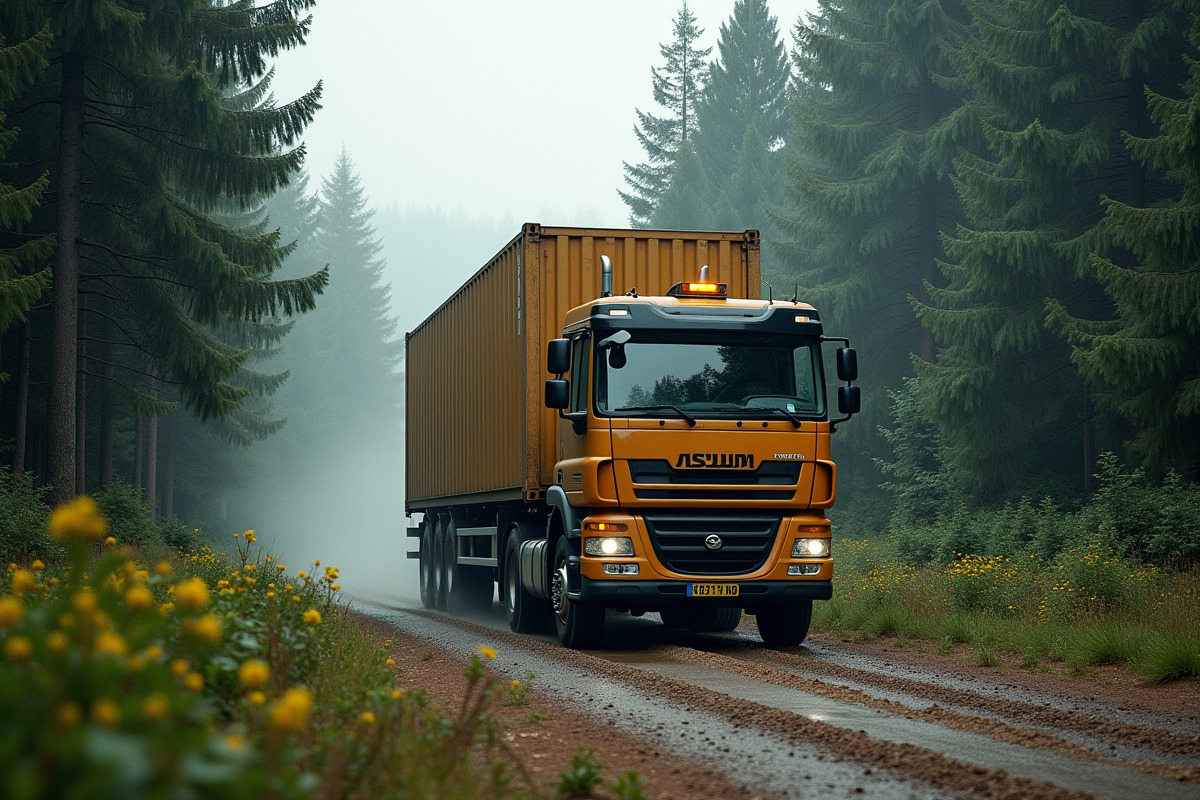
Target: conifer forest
[[997, 200]]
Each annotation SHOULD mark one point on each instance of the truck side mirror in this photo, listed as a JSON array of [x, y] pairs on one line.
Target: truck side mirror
[[849, 399], [558, 391], [847, 364], [558, 358]]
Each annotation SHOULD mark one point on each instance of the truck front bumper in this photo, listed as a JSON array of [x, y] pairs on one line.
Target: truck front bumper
[[654, 594]]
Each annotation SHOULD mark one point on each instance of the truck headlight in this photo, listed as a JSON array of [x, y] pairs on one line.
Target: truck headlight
[[810, 548], [608, 546]]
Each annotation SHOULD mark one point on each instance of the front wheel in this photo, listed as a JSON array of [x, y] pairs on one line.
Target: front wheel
[[784, 624], [580, 626]]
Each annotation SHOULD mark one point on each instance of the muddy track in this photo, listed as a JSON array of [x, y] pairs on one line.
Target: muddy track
[[1167, 754]]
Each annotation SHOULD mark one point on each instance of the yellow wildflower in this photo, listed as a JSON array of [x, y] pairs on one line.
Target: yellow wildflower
[[78, 519], [312, 617], [292, 711], [391, 662], [487, 651], [18, 648], [106, 712], [208, 628], [67, 715], [256, 697], [253, 674], [235, 742], [138, 598], [37, 565], [163, 568], [11, 611], [22, 581], [109, 643], [57, 641], [156, 706], [192, 593], [84, 601], [194, 681], [367, 718]]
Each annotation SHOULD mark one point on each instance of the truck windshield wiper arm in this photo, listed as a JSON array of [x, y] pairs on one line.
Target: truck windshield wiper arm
[[690, 420], [777, 409]]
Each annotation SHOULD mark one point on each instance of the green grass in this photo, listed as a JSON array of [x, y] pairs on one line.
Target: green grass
[[1085, 607]]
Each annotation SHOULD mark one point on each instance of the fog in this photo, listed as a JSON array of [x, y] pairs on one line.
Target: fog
[[463, 120]]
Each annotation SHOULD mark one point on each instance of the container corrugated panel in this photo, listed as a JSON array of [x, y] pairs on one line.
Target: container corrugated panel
[[477, 429]]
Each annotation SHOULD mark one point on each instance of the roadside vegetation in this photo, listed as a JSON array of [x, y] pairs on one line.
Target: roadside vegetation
[[165, 671], [1115, 581]]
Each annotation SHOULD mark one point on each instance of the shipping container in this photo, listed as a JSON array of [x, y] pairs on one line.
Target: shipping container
[[477, 427]]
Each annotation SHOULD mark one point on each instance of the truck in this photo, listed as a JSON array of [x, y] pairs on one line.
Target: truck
[[661, 447]]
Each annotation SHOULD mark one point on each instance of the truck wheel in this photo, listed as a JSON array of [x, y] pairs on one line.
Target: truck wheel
[[428, 569], [580, 626], [525, 613], [785, 624], [441, 595], [704, 619]]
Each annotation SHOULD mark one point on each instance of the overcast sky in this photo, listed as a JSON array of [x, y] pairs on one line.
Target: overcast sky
[[521, 108]]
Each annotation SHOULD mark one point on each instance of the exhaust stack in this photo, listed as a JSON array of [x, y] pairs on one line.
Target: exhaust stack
[[605, 276], [704, 274]]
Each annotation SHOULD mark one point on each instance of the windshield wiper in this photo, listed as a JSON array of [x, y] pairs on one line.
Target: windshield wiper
[[792, 417], [690, 420]]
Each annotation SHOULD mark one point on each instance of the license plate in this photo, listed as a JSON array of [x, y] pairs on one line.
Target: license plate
[[712, 590]]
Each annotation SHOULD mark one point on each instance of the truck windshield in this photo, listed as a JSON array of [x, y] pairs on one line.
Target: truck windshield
[[757, 375]]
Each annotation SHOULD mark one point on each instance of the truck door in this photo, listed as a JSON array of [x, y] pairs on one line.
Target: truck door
[[583, 439]]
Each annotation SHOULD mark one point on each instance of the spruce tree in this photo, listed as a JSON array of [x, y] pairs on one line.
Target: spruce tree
[[877, 124], [24, 269], [677, 85], [1056, 85], [742, 119], [1143, 360], [151, 142]]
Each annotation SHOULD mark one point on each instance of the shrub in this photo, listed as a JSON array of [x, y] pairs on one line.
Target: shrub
[[129, 519], [23, 534]]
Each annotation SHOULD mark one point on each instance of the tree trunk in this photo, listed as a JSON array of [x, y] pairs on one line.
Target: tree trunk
[[107, 420], [151, 495], [1089, 447], [21, 417], [81, 404], [138, 448], [168, 508], [64, 305]]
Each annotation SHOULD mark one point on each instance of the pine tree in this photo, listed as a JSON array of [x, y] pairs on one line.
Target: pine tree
[[1144, 361], [24, 270], [1057, 87], [677, 85], [153, 139], [742, 119], [877, 124]]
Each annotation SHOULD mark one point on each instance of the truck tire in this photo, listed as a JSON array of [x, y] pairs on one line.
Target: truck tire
[[427, 564], [470, 587], [785, 624], [525, 613], [703, 619], [442, 593], [580, 626]]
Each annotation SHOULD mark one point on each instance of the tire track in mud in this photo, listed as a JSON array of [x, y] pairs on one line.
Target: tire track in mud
[[903, 760], [777, 668]]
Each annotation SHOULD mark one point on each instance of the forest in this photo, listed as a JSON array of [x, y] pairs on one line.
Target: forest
[[995, 200]]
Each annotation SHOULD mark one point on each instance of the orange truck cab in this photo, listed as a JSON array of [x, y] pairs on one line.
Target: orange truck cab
[[690, 471]]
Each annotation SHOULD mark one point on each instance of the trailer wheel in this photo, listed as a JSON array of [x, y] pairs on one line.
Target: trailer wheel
[[428, 564], [470, 587], [442, 593], [525, 613], [785, 624], [580, 626]]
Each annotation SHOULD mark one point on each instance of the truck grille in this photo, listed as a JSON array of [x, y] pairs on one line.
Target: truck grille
[[656, 479], [678, 541]]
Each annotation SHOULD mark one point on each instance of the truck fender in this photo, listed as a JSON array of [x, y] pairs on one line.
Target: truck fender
[[556, 498]]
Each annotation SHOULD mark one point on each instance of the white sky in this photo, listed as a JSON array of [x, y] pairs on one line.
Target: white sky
[[517, 108]]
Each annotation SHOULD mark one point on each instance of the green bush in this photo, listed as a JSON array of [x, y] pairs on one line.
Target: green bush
[[179, 535], [23, 533], [129, 519]]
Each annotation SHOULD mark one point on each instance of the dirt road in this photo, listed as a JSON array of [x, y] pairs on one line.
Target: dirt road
[[721, 716]]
